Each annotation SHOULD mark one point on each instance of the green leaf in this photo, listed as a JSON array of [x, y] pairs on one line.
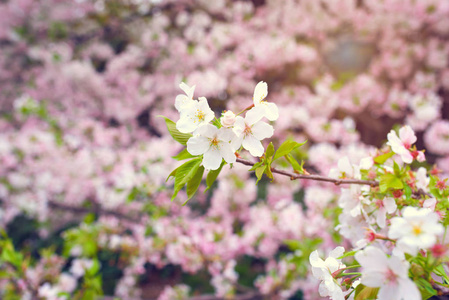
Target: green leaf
[[388, 181], [259, 172], [212, 176], [256, 165], [350, 253], [365, 293], [184, 154], [293, 245], [178, 136], [270, 150], [381, 159], [185, 173], [216, 122], [439, 270], [408, 192], [296, 166], [425, 288], [194, 183], [287, 147], [172, 174]]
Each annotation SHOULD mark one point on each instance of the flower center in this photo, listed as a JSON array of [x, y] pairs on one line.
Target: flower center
[[215, 143], [200, 115], [416, 229], [390, 276], [247, 130]]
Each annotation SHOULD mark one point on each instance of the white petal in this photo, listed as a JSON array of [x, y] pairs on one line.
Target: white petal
[[239, 126], [337, 252], [407, 135], [182, 101], [408, 290], [236, 142], [207, 130], [388, 292], [271, 111], [372, 259], [262, 130], [390, 204], [212, 159], [253, 145], [187, 89], [260, 92], [254, 115], [315, 259], [185, 124], [225, 134], [198, 145], [381, 217], [372, 279], [227, 153]]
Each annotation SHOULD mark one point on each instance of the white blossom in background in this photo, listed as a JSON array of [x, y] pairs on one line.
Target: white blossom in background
[[269, 110], [80, 266], [194, 115], [49, 292], [388, 273], [345, 169], [418, 228], [323, 270], [182, 100], [251, 130], [401, 145], [214, 144]]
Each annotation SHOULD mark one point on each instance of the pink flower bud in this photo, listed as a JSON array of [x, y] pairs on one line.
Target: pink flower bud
[[228, 119]]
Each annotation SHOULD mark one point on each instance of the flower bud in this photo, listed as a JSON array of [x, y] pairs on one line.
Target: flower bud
[[228, 119]]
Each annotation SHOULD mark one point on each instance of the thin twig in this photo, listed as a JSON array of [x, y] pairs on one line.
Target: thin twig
[[294, 176]]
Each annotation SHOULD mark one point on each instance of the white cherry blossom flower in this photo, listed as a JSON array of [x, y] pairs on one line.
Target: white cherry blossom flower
[[182, 100], [390, 274], [269, 110], [250, 131], [402, 145], [214, 144], [416, 229], [194, 115], [345, 169], [323, 270]]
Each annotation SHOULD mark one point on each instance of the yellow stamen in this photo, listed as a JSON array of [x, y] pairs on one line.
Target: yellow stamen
[[200, 115], [215, 143], [247, 130], [416, 230]]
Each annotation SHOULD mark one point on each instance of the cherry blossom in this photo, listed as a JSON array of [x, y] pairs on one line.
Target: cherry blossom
[[182, 100], [194, 114], [269, 110], [402, 145], [416, 229], [251, 130], [390, 274], [214, 144], [325, 270]]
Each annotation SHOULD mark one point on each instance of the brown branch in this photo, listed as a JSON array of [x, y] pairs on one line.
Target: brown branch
[[294, 176]]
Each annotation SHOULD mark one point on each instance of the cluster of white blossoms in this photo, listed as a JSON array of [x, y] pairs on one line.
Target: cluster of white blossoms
[[326, 271], [220, 140]]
